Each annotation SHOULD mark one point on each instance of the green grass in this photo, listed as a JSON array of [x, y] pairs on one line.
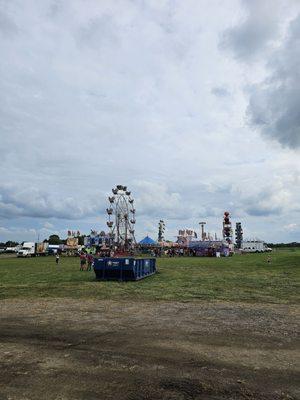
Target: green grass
[[247, 278]]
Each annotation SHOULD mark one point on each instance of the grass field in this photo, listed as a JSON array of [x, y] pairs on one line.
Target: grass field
[[247, 278]]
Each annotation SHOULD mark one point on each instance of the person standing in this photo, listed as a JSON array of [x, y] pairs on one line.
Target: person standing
[[89, 262], [57, 258], [82, 262]]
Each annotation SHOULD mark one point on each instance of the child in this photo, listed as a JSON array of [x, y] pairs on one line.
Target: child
[[57, 258]]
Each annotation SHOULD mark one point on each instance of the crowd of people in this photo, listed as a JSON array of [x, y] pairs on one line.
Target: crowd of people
[[172, 252]]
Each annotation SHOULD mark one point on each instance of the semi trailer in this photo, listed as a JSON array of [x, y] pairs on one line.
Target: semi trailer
[[31, 249]]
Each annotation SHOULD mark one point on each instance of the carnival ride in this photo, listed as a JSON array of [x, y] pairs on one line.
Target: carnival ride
[[121, 219], [121, 263], [238, 235], [227, 230], [161, 231]]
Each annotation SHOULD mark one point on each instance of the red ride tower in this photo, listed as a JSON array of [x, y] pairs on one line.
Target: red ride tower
[[227, 230]]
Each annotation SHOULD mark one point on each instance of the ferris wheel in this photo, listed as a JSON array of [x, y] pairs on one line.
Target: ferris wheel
[[121, 218]]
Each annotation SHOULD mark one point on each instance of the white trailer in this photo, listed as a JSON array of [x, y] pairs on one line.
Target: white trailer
[[41, 249], [254, 246]]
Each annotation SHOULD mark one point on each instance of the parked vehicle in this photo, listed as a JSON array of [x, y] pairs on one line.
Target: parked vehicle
[[31, 249], [12, 249], [27, 250], [54, 248], [41, 249], [254, 246]]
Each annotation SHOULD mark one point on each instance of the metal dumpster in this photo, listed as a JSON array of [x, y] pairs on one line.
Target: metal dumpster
[[124, 269]]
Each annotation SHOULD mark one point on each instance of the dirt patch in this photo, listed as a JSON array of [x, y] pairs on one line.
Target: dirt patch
[[67, 349]]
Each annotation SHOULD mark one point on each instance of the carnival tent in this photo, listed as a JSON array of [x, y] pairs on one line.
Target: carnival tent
[[147, 241]]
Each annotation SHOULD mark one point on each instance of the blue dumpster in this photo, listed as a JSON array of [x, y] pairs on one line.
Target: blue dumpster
[[124, 269]]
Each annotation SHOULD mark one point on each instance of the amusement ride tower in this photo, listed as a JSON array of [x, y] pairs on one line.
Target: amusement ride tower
[[121, 218], [238, 235], [227, 230]]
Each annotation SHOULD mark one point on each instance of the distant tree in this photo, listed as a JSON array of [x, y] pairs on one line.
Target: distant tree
[[11, 243], [81, 240], [54, 239]]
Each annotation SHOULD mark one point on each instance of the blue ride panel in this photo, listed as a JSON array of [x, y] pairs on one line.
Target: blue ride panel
[[124, 269]]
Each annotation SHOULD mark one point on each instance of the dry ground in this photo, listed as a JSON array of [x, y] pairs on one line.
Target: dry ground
[[96, 349]]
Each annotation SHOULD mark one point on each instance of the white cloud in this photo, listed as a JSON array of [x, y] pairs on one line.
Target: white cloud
[[291, 227], [48, 225]]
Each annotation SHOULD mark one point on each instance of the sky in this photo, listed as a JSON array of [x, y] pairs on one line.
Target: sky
[[194, 105]]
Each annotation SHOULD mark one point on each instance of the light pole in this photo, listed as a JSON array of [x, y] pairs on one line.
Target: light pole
[[203, 234]]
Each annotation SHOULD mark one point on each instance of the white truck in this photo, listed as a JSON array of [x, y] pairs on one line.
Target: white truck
[[27, 250], [31, 249]]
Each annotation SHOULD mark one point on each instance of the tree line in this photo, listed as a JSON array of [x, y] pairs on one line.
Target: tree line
[[53, 239], [291, 244]]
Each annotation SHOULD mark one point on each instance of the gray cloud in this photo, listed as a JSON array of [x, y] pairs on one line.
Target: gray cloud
[[274, 106], [8, 27], [258, 29], [277, 197], [98, 31], [220, 91], [261, 210], [35, 203]]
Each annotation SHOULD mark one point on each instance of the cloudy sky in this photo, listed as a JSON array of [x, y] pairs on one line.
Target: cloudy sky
[[194, 105]]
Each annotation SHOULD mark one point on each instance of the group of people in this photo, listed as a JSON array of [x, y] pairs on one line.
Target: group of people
[[172, 252], [86, 262]]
